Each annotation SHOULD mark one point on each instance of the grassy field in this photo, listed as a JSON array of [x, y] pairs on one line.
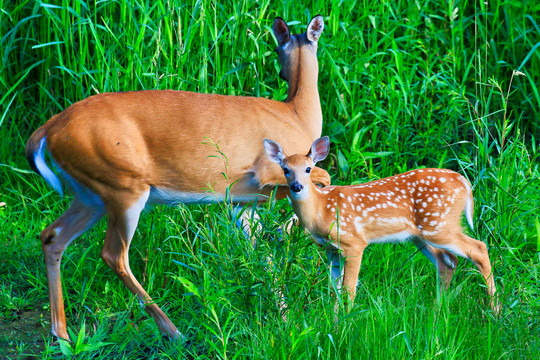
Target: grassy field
[[403, 85]]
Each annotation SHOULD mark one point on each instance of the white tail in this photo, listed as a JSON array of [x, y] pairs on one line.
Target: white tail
[[423, 206], [118, 152]]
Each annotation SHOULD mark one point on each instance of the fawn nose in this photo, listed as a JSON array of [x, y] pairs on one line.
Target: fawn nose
[[296, 187]]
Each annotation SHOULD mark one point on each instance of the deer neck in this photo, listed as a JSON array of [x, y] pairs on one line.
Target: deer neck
[[308, 209], [303, 95]]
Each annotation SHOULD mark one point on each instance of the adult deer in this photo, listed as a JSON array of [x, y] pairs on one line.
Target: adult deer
[[119, 152], [422, 206]]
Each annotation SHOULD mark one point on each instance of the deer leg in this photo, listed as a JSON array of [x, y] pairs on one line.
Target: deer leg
[[246, 220], [476, 251], [348, 273], [54, 239], [351, 269], [444, 261], [123, 221], [336, 269]]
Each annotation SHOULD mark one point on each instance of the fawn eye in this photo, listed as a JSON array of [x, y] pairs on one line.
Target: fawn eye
[[286, 171], [308, 170]]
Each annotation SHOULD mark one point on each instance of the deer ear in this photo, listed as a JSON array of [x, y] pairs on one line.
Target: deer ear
[[273, 151], [281, 31], [315, 28], [319, 150]]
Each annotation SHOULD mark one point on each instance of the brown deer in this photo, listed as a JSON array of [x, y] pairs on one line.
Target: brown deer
[[120, 152], [423, 206]]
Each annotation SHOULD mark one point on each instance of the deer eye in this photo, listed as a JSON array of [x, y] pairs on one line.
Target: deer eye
[[308, 170], [286, 171]]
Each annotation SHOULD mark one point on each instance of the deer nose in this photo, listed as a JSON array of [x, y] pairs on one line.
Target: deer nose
[[296, 187]]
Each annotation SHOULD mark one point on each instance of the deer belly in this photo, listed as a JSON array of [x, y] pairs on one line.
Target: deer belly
[[173, 197], [402, 236]]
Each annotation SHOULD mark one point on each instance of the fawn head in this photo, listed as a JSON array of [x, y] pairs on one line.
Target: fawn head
[[297, 50], [297, 168]]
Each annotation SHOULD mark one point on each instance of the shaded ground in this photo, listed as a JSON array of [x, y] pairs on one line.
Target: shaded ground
[[23, 337]]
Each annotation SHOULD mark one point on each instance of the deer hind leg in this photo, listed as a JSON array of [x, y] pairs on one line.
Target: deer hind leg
[[123, 220], [444, 261], [55, 238], [476, 251]]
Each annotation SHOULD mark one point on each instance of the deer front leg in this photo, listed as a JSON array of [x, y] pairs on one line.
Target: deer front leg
[[336, 270], [348, 274], [351, 269]]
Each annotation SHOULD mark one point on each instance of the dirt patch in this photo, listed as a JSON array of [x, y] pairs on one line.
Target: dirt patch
[[24, 337]]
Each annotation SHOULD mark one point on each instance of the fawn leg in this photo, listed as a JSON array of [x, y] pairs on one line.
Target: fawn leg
[[351, 269], [476, 251], [444, 261]]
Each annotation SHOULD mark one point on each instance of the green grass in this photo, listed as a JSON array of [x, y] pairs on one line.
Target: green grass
[[402, 84]]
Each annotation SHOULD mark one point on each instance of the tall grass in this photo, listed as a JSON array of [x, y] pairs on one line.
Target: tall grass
[[403, 84]]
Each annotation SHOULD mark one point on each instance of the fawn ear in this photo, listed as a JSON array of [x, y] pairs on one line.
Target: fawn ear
[[319, 150], [315, 28], [273, 151], [281, 31]]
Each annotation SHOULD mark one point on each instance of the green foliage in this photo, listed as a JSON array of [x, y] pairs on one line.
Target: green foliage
[[79, 345], [402, 84]]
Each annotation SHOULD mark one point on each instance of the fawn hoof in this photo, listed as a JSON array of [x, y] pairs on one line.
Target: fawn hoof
[[496, 309], [177, 337]]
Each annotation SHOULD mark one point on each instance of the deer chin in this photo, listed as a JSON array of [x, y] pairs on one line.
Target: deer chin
[[300, 195]]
